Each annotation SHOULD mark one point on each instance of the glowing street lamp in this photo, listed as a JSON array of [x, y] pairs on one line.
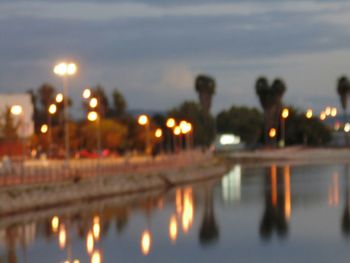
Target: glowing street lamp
[[59, 98], [64, 70], [143, 120], [52, 110], [17, 110], [94, 117], [272, 133], [158, 133], [86, 93], [334, 112], [323, 116], [44, 128], [309, 114], [170, 123], [284, 116], [93, 103]]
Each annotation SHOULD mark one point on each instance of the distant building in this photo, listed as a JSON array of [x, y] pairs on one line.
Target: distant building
[[26, 128]]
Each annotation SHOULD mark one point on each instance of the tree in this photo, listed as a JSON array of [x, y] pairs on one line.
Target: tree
[[205, 87], [343, 89], [8, 127], [270, 98], [119, 102], [242, 121], [203, 123], [46, 95]]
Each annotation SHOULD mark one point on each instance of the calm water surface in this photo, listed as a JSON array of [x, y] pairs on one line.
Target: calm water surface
[[272, 214]]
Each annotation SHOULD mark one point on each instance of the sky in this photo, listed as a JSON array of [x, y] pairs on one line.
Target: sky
[[152, 50]]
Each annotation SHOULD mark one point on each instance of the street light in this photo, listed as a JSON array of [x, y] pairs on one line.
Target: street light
[[44, 128], [170, 123], [64, 70], [284, 116], [334, 112], [93, 103], [59, 98], [17, 110], [158, 133], [143, 120], [323, 116], [52, 110], [272, 133], [86, 93], [93, 116], [309, 114]]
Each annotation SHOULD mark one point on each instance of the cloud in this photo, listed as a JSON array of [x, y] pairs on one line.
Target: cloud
[[178, 77]]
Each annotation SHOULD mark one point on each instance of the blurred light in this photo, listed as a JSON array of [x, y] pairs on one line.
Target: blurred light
[[287, 193], [228, 139], [328, 111], [55, 222], [347, 127], [143, 119], [158, 133], [89, 243], [146, 242], [178, 201], [323, 116], [185, 127], [173, 228], [92, 116], [337, 126], [170, 123], [63, 69], [44, 128], [16, 110], [334, 112], [86, 93], [62, 236], [177, 130], [285, 113], [93, 103], [59, 97], [272, 133], [52, 109], [188, 210], [96, 257], [96, 228], [309, 114], [231, 185]]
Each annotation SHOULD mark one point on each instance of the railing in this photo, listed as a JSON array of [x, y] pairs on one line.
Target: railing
[[50, 171]]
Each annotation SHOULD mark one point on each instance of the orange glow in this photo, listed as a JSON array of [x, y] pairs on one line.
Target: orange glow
[[62, 237], [178, 201], [328, 110], [55, 222], [96, 228], [93, 103], [173, 228], [158, 133], [322, 116], [333, 191], [143, 119], [287, 193], [59, 97], [96, 257], [89, 243], [170, 123], [272, 133], [146, 242], [334, 112], [309, 114], [44, 128], [188, 211], [285, 113], [177, 130], [274, 184], [52, 109], [16, 110]]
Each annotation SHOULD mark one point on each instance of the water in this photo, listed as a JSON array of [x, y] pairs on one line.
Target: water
[[265, 214]]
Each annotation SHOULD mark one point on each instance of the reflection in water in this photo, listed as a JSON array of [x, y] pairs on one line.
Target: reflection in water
[[231, 185], [96, 228], [89, 243], [96, 257], [146, 242], [62, 236], [178, 201], [209, 231], [55, 222], [333, 191], [173, 228], [345, 223], [278, 202], [188, 209]]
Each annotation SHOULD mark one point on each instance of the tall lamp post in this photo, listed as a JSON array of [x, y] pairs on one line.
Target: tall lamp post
[[17, 110], [170, 123], [52, 110], [93, 116], [64, 70], [284, 116], [143, 120]]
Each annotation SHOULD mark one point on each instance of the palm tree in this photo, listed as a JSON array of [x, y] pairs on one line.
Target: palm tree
[[205, 87], [270, 98], [119, 102], [343, 89]]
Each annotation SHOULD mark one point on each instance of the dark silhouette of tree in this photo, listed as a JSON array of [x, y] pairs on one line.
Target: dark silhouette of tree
[[205, 87], [343, 89], [209, 230], [270, 98], [46, 95], [274, 218], [120, 104], [9, 128]]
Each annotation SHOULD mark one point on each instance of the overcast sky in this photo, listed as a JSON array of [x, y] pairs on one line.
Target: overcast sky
[[152, 50]]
